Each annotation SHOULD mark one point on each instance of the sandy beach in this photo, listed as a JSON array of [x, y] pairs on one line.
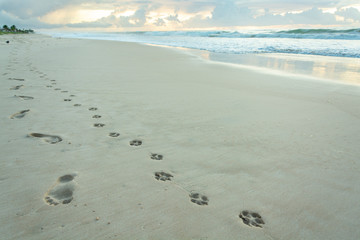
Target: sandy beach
[[110, 140]]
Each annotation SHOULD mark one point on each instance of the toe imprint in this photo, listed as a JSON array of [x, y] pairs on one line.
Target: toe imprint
[[66, 178], [52, 139], [62, 191], [92, 109], [163, 176], [67, 99], [20, 114], [77, 105], [114, 134], [96, 116], [199, 199], [251, 219], [99, 125], [135, 143], [156, 156]]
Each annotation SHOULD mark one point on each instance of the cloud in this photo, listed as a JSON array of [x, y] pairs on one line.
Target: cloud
[[26, 9], [10, 19], [198, 21], [173, 18], [160, 22], [229, 14], [95, 24], [312, 16], [138, 19], [174, 14], [349, 13]]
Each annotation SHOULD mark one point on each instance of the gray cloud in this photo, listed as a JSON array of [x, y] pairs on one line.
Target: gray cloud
[[26, 9], [138, 19], [160, 22], [349, 13], [173, 18], [229, 14], [312, 16], [10, 19]]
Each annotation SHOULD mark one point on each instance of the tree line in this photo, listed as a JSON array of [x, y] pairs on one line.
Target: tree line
[[14, 29]]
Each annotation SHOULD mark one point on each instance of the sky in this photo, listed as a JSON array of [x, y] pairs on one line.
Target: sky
[[163, 15]]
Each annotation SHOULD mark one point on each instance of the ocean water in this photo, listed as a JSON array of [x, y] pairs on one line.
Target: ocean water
[[325, 42], [237, 46]]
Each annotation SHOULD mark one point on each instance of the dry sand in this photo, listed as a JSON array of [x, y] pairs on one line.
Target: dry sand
[[286, 148]]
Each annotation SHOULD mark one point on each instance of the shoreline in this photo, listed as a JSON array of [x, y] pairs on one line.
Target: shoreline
[[343, 70], [93, 126]]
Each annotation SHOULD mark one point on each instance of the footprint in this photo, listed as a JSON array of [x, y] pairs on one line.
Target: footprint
[[92, 109], [77, 105], [99, 125], [114, 134], [16, 87], [20, 114], [53, 80], [96, 116], [135, 143], [64, 91], [57, 89], [72, 95], [251, 219], [67, 100], [17, 79], [156, 156], [52, 139], [163, 176], [49, 86], [62, 191], [199, 199], [25, 97]]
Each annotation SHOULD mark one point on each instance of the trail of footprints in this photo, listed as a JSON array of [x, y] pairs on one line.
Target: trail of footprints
[[62, 191]]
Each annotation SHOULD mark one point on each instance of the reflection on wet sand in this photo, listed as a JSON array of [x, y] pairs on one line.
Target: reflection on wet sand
[[341, 69]]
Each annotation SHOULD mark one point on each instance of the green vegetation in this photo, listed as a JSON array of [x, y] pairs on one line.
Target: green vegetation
[[13, 30]]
